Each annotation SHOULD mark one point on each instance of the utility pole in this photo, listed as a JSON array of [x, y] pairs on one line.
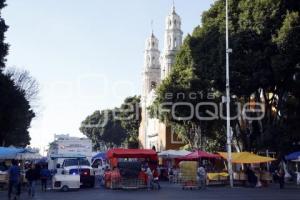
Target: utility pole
[[229, 135]]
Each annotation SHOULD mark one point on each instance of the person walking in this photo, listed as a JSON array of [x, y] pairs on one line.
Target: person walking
[[201, 175], [14, 183], [149, 177], [45, 175], [251, 177], [281, 176], [155, 182], [32, 176]]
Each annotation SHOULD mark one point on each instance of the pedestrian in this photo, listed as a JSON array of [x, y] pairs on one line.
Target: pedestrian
[[45, 175], [155, 182], [171, 175], [99, 175], [281, 176], [32, 176], [201, 175], [14, 183], [251, 177], [149, 177]]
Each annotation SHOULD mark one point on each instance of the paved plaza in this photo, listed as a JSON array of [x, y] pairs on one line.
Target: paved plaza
[[172, 192]]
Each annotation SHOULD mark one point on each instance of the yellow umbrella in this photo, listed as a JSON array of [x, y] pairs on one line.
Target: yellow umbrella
[[247, 158]]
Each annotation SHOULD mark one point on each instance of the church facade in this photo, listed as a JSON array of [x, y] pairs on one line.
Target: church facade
[[157, 66]]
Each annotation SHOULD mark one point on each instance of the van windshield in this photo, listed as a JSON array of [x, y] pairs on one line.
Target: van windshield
[[75, 162]]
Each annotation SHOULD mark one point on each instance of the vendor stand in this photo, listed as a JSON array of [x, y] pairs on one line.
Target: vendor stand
[[126, 168], [213, 175], [242, 158], [21, 154], [167, 161], [295, 158], [297, 171]]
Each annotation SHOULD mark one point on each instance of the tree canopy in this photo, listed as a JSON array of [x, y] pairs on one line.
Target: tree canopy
[[264, 68], [114, 127], [15, 110]]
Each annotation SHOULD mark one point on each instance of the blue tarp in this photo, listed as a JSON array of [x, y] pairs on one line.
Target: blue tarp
[[100, 155], [293, 156], [10, 152]]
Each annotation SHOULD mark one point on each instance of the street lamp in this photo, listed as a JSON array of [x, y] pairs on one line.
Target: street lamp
[[229, 155]]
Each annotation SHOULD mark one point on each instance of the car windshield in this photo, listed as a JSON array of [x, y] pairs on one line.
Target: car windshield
[[72, 162]]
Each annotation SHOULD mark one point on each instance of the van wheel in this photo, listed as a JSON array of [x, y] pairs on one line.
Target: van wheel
[[65, 188]]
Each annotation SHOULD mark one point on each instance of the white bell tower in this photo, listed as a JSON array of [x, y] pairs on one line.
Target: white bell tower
[[151, 79], [151, 72], [172, 41]]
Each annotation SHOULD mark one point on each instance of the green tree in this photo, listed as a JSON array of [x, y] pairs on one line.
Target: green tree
[[15, 111], [3, 46], [129, 114], [104, 129], [264, 66], [15, 114]]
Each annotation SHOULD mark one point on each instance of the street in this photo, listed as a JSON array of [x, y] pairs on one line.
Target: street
[[171, 192]]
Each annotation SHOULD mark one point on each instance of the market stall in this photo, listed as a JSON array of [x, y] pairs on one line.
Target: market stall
[[293, 156], [100, 155], [7, 153], [198, 155], [188, 171], [249, 158], [126, 165], [297, 170], [171, 154], [295, 161], [167, 160], [213, 162], [22, 154]]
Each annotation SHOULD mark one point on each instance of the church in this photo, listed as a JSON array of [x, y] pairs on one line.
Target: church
[[157, 66]]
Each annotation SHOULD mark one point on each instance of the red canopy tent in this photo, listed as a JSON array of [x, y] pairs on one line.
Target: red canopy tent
[[131, 153], [196, 155], [148, 154]]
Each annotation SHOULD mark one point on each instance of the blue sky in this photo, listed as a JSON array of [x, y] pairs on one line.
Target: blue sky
[[86, 55]]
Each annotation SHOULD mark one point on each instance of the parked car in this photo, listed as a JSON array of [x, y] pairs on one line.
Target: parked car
[[3, 175]]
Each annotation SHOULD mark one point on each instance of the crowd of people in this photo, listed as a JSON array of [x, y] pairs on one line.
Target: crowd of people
[[33, 174]]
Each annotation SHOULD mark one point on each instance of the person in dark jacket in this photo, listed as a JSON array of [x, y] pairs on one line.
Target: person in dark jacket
[[45, 175], [281, 176], [32, 175], [14, 173], [252, 178]]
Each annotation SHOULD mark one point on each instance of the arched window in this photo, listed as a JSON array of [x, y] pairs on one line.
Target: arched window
[[152, 44], [170, 23], [175, 42]]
